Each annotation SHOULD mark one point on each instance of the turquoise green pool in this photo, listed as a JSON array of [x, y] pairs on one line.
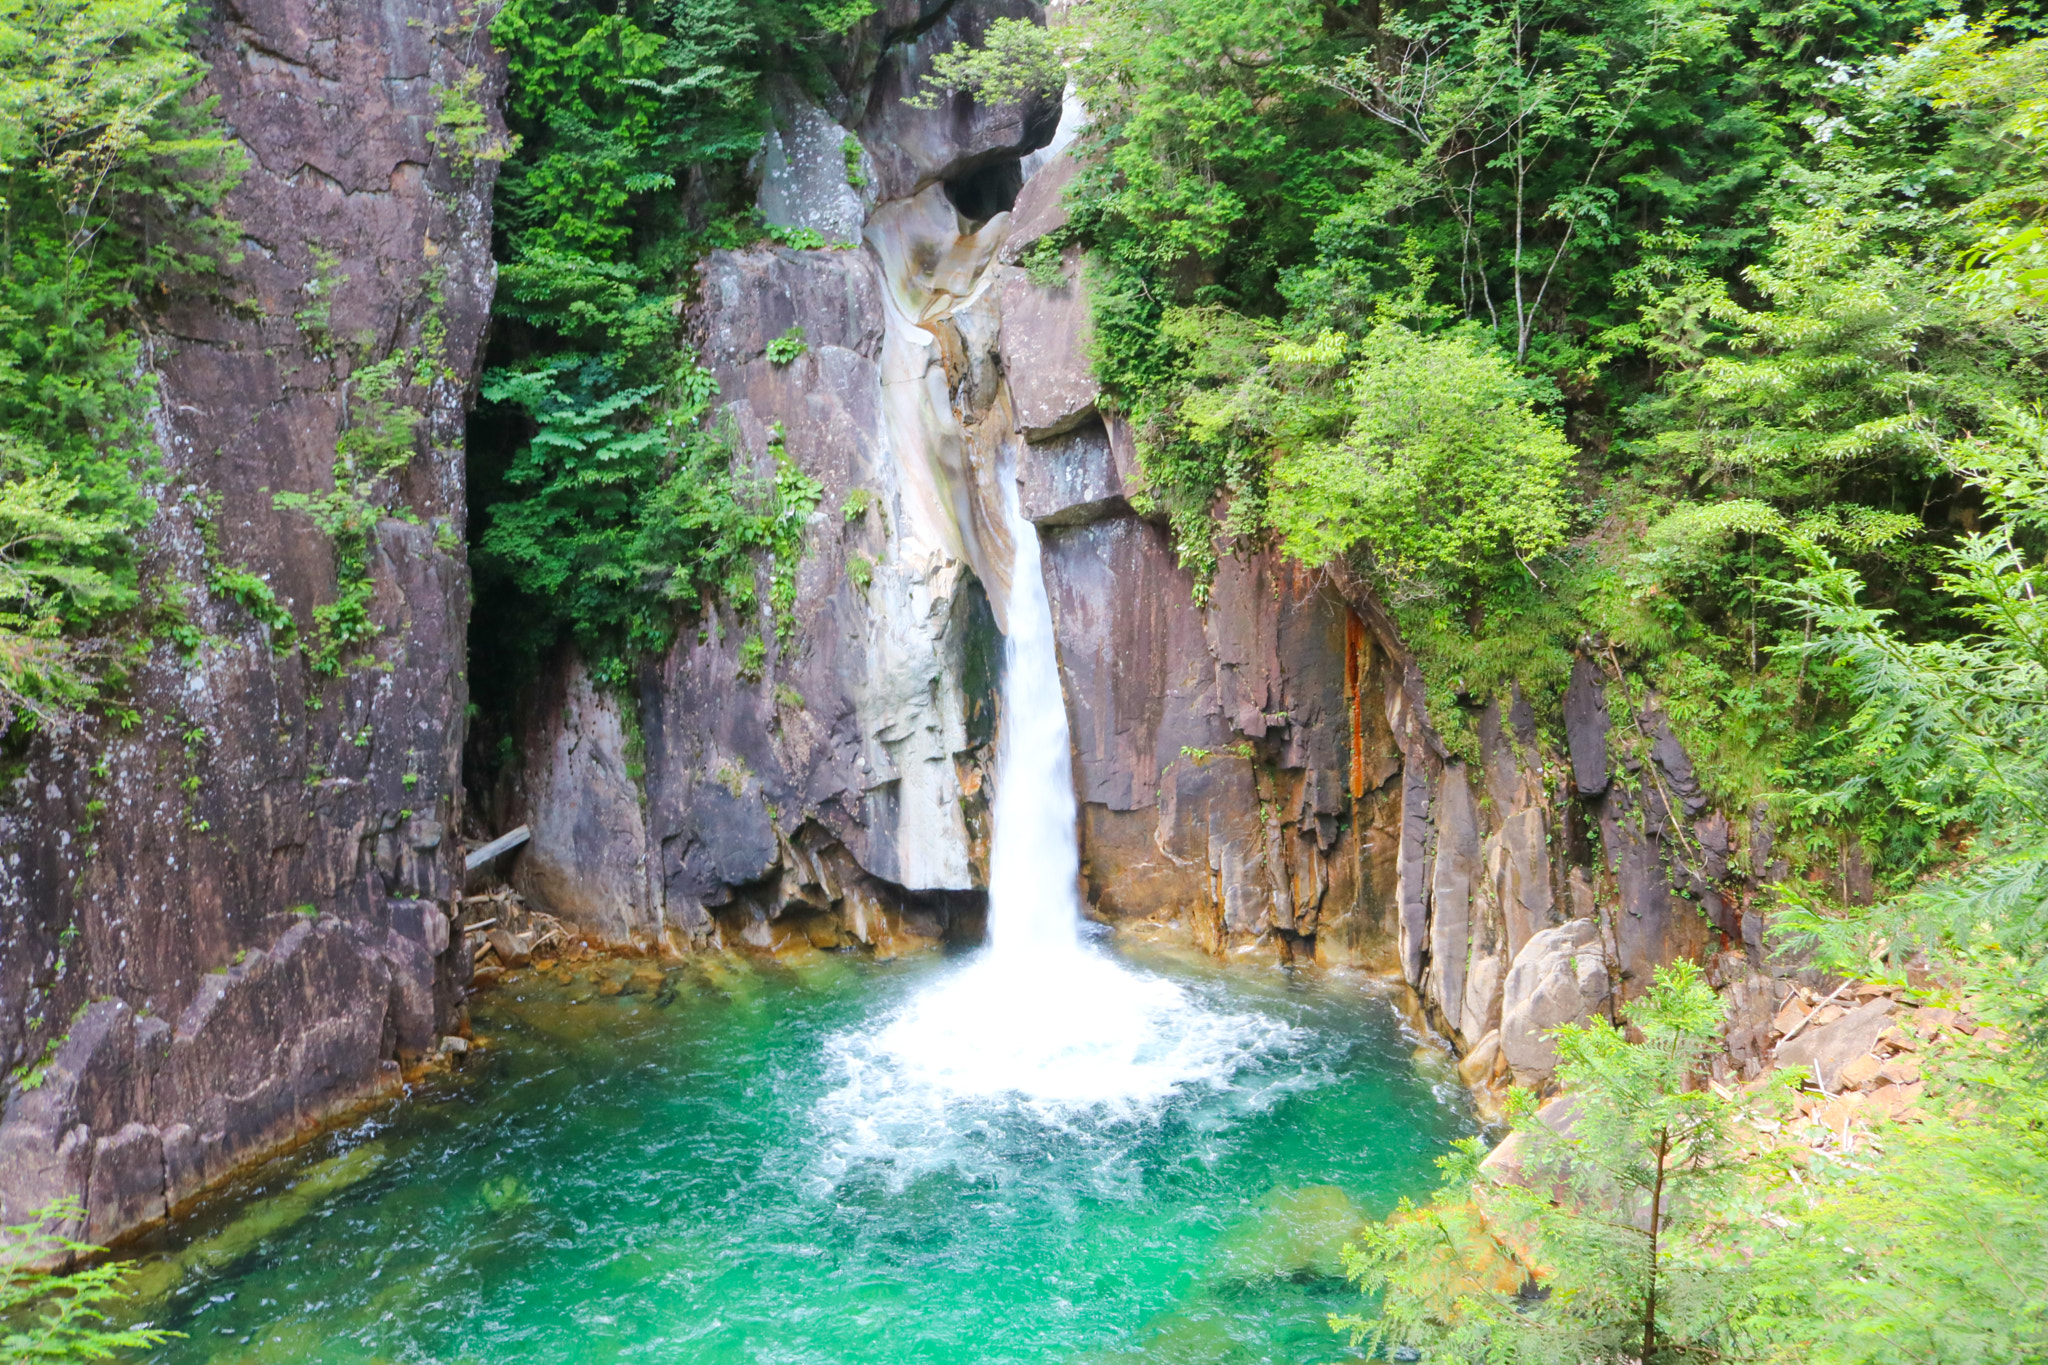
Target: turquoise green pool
[[687, 1172]]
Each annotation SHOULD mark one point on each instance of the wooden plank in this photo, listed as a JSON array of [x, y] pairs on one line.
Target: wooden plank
[[504, 843]]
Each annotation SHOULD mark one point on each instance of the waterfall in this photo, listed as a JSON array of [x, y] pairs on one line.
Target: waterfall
[[1034, 910], [1040, 1023]]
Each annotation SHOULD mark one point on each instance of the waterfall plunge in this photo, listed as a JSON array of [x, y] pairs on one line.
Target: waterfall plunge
[[1038, 1024]]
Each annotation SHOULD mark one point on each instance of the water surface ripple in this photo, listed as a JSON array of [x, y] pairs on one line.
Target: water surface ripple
[[745, 1165]]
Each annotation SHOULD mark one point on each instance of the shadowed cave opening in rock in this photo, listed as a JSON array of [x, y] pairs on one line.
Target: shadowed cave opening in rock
[[987, 190]]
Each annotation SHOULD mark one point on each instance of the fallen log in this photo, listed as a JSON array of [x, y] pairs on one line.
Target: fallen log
[[504, 843]]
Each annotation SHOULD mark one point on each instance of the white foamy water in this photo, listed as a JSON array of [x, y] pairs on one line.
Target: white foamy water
[[1040, 1025], [1034, 872]]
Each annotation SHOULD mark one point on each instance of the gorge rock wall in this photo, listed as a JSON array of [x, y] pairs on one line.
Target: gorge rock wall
[[225, 901], [819, 779], [1258, 771]]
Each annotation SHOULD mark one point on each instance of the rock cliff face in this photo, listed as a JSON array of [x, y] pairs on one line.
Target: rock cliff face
[[225, 904], [1259, 771], [833, 792]]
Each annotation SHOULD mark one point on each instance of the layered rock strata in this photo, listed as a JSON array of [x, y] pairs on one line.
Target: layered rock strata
[[225, 901]]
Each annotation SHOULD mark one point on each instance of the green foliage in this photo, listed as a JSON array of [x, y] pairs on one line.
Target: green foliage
[[462, 129], [1016, 60], [379, 437], [61, 1315], [622, 526], [1044, 264], [1949, 733], [798, 238], [1952, 732], [51, 553], [851, 150], [787, 347], [1443, 469], [1613, 1246], [606, 497], [105, 170], [241, 586], [381, 433], [753, 658], [1754, 270], [1931, 1250], [796, 497], [1970, 70]]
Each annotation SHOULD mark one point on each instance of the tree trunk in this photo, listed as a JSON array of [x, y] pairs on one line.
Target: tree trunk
[[1656, 1222]]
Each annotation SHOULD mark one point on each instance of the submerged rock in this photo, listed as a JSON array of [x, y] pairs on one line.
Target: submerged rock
[[1294, 1233]]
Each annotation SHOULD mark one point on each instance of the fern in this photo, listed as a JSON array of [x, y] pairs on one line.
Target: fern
[[618, 508]]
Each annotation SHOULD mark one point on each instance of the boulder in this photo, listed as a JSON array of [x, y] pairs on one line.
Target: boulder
[[1477, 1065], [587, 859], [513, 950], [1831, 1048], [803, 166], [1559, 977], [1041, 207], [1045, 350], [1507, 1164], [1293, 1233], [1071, 480]]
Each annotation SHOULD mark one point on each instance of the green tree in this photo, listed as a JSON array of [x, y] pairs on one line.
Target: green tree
[[49, 554], [1930, 1251], [1508, 118], [1610, 1243], [61, 1315], [108, 172], [1444, 468], [606, 501]]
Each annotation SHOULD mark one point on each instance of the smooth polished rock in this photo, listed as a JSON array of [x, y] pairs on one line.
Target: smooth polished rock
[[1559, 977]]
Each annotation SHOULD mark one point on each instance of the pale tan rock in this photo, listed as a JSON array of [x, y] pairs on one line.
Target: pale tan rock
[[1837, 1114], [1560, 977], [1827, 1048], [513, 950], [1478, 1064], [1930, 1021], [1861, 1072], [1903, 1069]]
